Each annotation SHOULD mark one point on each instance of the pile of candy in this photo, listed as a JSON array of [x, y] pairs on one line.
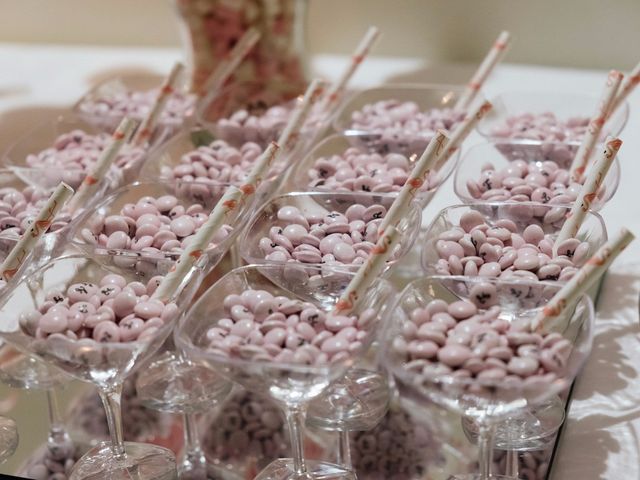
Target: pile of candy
[[112, 311], [284, 330]]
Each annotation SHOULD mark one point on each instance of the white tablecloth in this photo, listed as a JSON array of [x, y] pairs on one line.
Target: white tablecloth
[[601, 435]]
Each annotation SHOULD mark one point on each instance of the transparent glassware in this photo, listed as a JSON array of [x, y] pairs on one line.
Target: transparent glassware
[[187, 194], [177, 384], [299, 179], [13, 226], [501, 153], [564, 105], [163, 159], [426, 96], [43, 136], [592, 231], [319, 203], [226, 114], [102, 105], [172, 382], [356, 402], [105, 365], [246, 414], [210, 28], [9, 438], [292, 386], [528, 430], [486, 401], [254, 97]]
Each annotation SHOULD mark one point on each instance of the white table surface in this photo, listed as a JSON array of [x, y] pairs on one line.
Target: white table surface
[[601, 438]]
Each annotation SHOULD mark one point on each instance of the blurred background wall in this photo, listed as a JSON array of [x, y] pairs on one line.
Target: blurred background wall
[[580, 33]]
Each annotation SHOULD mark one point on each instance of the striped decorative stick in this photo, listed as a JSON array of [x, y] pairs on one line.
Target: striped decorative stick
[[336, 89], [590, 139], [230, 201], [291, 133], [461, 132], [231, 62], [582, 280], [492, 59], [368, 272], [88, 186], [629, 84], [414, 183], [149, 123], [588, 192], [38, 228]]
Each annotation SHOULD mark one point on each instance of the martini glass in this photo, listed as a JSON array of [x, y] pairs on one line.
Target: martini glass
[[104, 364], [292, 384], [485, 399], [356, 402]]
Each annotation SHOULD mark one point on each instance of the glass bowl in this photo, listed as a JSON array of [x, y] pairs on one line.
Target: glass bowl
[[426, 96], [218, 108], [187, 194], [191, 143], [312, 205], [459, 373], [96, 107], [290, 384], [592, 231], [44, 136], [300, 177], [99, 363], [564, 105], [501, 154]]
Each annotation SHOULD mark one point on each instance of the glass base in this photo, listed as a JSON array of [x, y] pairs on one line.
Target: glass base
[[282, 469], [142, 462], [206, 472], [357, 401], [171, 383], [533, 429], [8, 438], [477, 476]]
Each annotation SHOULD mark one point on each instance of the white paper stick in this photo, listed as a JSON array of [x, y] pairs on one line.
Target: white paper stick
[[231, 62], [496, 53], [149, 123], [582, 280], [291, 133], [461, 132], [88, 186], [230, 201], [588, 192], [414, 183], [628, 85], [590, 139], [335, 91], [368, 272]]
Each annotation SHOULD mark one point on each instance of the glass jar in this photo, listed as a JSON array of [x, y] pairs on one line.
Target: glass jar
[[210, 29]]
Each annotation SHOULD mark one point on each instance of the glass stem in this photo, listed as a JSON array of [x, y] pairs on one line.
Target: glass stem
[[485, 449], [57, 432], [295, 421], [192, 450], [344, 449], [111, 399], [511, 469]]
